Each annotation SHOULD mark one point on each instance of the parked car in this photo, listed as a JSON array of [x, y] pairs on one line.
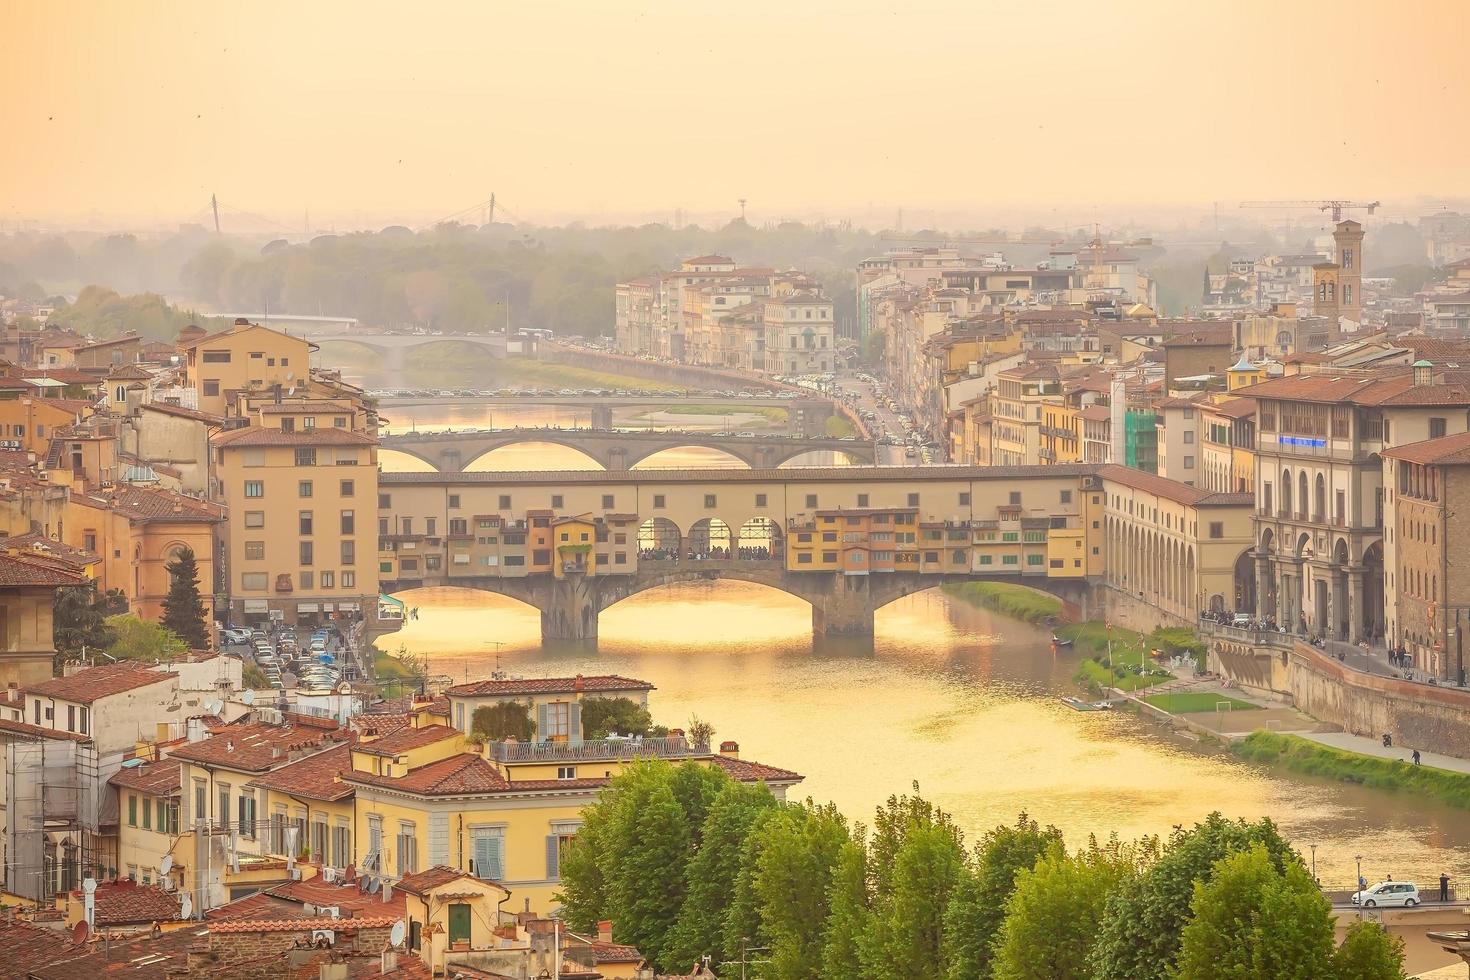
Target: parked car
[[1388, 894]]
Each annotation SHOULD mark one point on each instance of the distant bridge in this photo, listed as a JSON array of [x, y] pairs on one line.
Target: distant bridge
[[613, 449], [804, 416]]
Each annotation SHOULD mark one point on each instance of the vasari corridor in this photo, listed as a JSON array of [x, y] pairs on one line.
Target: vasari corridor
[[655, 491]]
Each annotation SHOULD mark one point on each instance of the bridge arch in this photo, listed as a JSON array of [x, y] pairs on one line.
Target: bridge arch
[[540, 438], [635, 459], [410, 453]]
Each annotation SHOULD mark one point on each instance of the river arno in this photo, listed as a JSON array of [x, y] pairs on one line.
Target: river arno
[[955, 698]]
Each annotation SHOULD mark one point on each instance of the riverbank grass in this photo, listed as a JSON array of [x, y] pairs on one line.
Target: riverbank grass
[[1191, 702], [1094, 676], [1300, 755], [387, 667], [1007, 598]]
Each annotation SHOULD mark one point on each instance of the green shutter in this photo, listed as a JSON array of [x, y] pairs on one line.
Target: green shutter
[[489, 858], [132, 811], [541, 723], [575, 736], [553, 857], [459, 923]]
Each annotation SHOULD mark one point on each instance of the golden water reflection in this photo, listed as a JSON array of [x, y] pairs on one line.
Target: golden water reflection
[[948, 695]]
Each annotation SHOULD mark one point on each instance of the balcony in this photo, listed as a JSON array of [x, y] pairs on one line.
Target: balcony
[[672, 747]]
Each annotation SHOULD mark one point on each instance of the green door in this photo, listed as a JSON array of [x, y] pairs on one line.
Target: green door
[[459, 923]]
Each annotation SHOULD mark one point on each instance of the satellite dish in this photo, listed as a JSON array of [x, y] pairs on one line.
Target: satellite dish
[[213, 707], [395, 936], [247, 698], [373, 885], [362, 885], [80, 931], [166, 865], [188, 908]]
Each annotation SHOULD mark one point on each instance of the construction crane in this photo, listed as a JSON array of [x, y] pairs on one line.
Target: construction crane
[[1336, 207]]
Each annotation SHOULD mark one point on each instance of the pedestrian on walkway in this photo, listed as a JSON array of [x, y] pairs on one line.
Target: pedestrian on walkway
[[1416, 757], [1444, 888]]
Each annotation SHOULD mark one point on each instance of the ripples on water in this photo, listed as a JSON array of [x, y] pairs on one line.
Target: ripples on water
[[960, 700]]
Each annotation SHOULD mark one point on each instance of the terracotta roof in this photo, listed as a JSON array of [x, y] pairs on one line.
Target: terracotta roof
[[76, 559], [184, 413], [88, 685], [27, 568], [1445, 451], [36, 731], [745, 771], [1236, 408], [129, 372], [426, 881], [1169, 489], [304, 924], [1096, 413], [252, 747], [407, 739], [378, 724], [66, 375], [456, 775], [603, 952], [286, 900], [24, 947], [138, 957], [122, 903], [549, 685], [709, 260], [147, 504], [315, 776], [1380, 389], [157, 778], [256, 435], [293, 405]]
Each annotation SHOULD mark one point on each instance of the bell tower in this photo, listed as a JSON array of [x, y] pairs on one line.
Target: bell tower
[[1348, 239]]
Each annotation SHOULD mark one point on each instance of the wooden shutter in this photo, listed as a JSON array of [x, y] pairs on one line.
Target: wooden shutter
[[541, 723], [489, 858], [553, 857], [574, 733]]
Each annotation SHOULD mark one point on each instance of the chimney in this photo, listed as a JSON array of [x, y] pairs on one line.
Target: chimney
[[604, 931], [730, 750], [577, 685]]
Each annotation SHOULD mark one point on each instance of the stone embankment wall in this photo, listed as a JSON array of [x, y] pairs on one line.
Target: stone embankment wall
[[1132, 613], [1418, 715]]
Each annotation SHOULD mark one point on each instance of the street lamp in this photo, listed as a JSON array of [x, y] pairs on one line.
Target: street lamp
[[1314, 864], [1358, 860]]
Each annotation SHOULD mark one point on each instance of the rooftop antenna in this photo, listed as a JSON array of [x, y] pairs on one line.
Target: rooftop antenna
[[742, 209], [214, 203]]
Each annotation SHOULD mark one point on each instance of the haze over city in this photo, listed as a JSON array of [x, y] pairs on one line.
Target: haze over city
[[981, 113]]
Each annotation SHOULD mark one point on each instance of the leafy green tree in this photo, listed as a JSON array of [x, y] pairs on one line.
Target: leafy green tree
[[847, 926], [975, 913], [646, 885], [892, 823], [1369, 952], [713, 871], [138, 639], [907, 936], [1253, 922], [183, 608], [1053, 914], [507, 719], [1139, 939], [695, 788], [792, 882], [254, 678], [79, 618], [604, 716]]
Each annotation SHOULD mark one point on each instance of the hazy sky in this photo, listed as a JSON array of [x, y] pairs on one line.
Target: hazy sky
[[623, 108]]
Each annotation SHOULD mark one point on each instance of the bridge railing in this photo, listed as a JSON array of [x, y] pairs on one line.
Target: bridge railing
[[671, 747]]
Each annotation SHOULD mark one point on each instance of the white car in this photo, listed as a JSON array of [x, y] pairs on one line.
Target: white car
[[1388, 894]]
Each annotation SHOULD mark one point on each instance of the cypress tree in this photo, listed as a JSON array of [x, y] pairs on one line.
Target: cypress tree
[[183, 609]]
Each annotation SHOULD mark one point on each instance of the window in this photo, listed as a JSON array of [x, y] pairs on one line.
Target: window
[[862, 500], [86, 720], [1436, 428], [255, 550], [308, 422], [488, 853], [408, 849], [709, 500], [349, 523], [254, 488], [1189, 462], [558, 721], [556, 501], [658, 501], [913, 500], [328, 580], [132, 810], [345, 487], [216, 357], [505, 501], [288, 424], [607, 501], [1009, 559], [305, 521], [566, 772], [1015, 498], [829, 556], [349, 580], [89, 541], [1188, 437], [811, 500], [341, 845], [71, 717], [303, 488], [222, 815], [247, 813], [385, 500], [305, 552], [307, 580], [760, 500], [306, 456], [964, 498], [457, 525], [254, 581], [211, 389], [319, 839], [349, 553], [1217, 529]]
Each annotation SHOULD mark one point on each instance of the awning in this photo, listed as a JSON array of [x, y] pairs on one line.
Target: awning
[[257, 605], [390, 600], [302, 607]]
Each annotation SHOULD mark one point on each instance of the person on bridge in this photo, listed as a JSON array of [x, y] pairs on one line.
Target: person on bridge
[[1444, 888]]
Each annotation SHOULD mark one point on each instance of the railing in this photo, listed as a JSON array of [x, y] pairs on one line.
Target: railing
[[1254, 635], [672, 747]]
